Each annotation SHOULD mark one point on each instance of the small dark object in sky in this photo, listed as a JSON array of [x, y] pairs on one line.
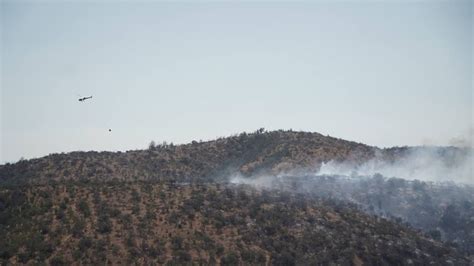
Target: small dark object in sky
[[110, 130], [84, 98]]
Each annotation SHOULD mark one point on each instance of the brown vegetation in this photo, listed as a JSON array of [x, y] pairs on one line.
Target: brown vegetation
[[176, 224], [171, 205], [275, 152]]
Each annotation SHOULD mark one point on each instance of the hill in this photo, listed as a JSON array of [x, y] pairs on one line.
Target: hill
[[180, 204], [274, 152], [176, 224]]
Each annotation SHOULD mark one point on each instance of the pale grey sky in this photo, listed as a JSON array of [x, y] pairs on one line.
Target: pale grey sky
[[379, 72]]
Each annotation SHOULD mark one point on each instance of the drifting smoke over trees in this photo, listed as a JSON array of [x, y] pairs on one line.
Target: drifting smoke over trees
[[442, 210], [252, 198]]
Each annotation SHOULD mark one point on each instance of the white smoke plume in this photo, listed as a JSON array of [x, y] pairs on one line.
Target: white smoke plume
[[261, 181], [425, 164]]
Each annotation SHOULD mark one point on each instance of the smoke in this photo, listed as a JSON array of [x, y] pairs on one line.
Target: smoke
[[464, 140], [261, 181], [425, 164], [430, 164], [391, 186]]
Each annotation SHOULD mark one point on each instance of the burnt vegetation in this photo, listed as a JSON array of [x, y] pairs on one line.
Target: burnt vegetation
[[443, 211]]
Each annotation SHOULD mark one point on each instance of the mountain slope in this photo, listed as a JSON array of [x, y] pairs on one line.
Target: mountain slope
[[275, 151], [178, 204], [174, 224]]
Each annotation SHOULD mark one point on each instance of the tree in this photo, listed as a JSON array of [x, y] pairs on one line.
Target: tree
[[152, 145], [83, 207], [230, 259]]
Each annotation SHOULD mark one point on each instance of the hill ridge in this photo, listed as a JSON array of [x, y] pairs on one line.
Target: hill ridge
[[248, 153]]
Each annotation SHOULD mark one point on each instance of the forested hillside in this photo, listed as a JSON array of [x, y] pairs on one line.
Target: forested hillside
[[275, 151], [175, 224], [248, 199]]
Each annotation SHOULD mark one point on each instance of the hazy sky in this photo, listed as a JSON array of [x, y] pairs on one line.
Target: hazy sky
[[379, 72]]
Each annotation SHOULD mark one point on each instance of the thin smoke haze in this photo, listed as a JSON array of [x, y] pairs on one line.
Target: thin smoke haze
[[425, 164], [431, 164]]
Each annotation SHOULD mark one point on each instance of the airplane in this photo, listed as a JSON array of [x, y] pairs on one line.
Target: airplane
[[84, 98]]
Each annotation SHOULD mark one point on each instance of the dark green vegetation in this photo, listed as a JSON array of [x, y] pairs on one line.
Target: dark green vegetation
[[174, 224], [174, 205]]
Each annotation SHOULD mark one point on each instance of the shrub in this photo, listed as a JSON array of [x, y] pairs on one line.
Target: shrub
[[103, 224], [230, 259], [83, 207], [181, 257], [57, 261], [84, 244]]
